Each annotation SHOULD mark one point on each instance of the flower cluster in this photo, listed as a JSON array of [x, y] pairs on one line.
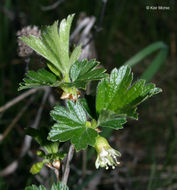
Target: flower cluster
[[23, 49]]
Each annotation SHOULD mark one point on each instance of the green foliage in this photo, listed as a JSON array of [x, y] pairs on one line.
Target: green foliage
[[37, 79], [54, 46], [106, 118], [58, 186], [118, 95], [80, 73], [117, 98], [75, 55], [72, 125], [63, 45], [50, 147], [109, 119], [84, 71], [34, 187], [47, 45]]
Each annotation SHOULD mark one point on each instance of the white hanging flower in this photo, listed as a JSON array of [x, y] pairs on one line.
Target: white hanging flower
[[107, 156]]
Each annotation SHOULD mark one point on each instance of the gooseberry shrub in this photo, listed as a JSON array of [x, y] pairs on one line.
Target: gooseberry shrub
[[117, 99]]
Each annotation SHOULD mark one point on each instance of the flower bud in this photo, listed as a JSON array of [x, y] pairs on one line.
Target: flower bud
[[40, 153], [56, 164], [36, 168]]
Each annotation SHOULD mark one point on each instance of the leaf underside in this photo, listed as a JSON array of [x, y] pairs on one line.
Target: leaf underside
[[118, 95], [71, 125], [39, 78]]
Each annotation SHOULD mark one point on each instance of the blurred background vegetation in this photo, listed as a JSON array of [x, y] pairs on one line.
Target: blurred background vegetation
[[122, 29]]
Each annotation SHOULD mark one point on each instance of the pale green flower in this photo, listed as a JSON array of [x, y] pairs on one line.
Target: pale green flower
[[107, 156]]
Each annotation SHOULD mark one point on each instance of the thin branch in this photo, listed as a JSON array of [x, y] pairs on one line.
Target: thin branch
[[27, 141], [84, 163], [18, 99], [10, 168], [116, 183], [79, 27], [53, 6], [15, 120], [57, 173], [67, 167], [98, 27], [87, 30], [102, 13], [10, 15]]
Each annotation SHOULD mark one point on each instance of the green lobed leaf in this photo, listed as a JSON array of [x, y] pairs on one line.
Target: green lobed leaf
[[111, 120], [72, 125], [47, 45], [34, 187], [50, 39], [75, 55], [54, 69], [58, 186], [63, 45], [39, 78], [118, 95], [54, 45], [86, 107], [84, 71]]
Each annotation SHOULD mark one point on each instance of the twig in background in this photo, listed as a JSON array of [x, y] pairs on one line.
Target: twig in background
[[27, 141], [86, 37], [10, 168], [88, 51], [18, 99], [102, 13], [67, 167], [98, 27], [56, 171], [15, 120], [84, 163], [116, 184], [53, 6], [94, 182], [51, 100], [87, 30], [10, 15], [79, 27], [57, 174], [82, 34]]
